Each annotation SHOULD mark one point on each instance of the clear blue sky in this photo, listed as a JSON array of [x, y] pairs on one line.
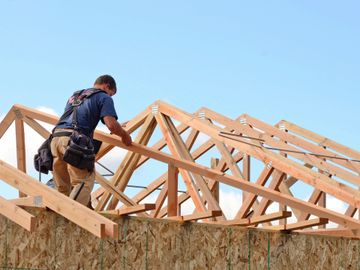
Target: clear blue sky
[[271, 59], [293, 60]]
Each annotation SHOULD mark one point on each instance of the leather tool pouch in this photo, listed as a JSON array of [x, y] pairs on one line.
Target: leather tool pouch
[[80, 152], [43, 160]]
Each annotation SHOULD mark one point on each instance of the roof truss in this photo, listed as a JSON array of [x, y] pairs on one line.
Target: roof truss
[[263, 163]]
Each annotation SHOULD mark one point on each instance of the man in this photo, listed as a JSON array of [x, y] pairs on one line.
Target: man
[[98, 106]]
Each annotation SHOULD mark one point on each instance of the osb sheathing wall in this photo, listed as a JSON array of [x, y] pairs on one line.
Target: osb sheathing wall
[[160, 244]]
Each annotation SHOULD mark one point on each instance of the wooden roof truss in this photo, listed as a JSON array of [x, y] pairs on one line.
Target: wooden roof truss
[[264, 163]]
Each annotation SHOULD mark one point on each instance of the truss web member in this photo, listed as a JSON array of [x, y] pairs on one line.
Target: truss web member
[[96, 105]]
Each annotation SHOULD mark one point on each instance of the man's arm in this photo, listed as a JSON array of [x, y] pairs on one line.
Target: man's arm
[[115, 128]]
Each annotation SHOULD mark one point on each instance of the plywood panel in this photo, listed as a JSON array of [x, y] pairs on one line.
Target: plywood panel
[[146, 243], [27, 250]]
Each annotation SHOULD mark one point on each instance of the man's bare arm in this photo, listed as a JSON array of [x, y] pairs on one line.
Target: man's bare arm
[[115, 128]]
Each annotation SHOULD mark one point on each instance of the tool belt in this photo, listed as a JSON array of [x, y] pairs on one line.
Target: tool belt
[[79, 151], [43, 160], [62, 133]]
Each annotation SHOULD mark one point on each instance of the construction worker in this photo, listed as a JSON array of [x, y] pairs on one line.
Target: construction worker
[[98, 105]]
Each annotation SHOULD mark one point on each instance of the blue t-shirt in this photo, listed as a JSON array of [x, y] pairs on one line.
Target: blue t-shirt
[[90, 112]]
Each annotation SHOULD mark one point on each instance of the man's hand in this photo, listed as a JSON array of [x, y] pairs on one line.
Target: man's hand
[[126, 138], [124, 124], [115, 128]]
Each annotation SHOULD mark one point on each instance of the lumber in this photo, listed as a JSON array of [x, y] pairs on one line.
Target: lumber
[[321, 140], [17, 215], [6, 122], [130, 209], [299, 225], [20, 148], [31, 201], [37, 127], [235, 182], [63, 205], [130, 127], [299, 142], [258, 219], [290, 150], [251, 198], [160, 200], [126, 168], [188, 179], [289, 159], [290, 167], [172, 186], [200, 180], [197, 216]]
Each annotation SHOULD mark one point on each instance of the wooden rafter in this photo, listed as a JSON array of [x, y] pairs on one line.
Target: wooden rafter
[[314, 160], [59, 203], [16, 214], [288, 166]]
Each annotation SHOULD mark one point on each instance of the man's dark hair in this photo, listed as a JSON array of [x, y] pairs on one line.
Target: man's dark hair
[[106, 79]]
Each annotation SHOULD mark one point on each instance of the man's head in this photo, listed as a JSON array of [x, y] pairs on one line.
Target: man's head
[[106, 83]]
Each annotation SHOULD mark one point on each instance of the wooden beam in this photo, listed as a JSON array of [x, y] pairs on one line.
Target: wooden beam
[[235, 182], [20, 148], [130, 209], [126, 168], [158, 146], [109, 187], [251, 198], [257, 220], [197, 216], [200, 180], [290, 201], [339, 232], [299, 225], [265, 202], [162, 143], [130, 127], [172, 184], [161, 180], [160, 200], [246, 171], [150, 188], [293, 151], [222, 167], [59, 203], [334, 170], [297, 172], [20, 145], [314, 198], [290, 181], [6, 122], [350, 212], [36, 201], [17, 215], [216, 186], [300, 142], [283, 188], [321, 140], [226, 155], [189, 182], [37, 127], [36, 115], [288, 166]]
